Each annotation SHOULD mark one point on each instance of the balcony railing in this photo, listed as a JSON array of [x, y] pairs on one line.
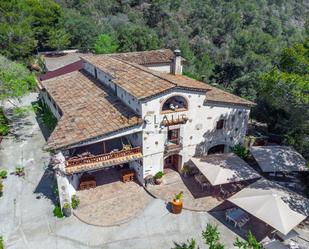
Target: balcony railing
[[173, 144], [103, 157]]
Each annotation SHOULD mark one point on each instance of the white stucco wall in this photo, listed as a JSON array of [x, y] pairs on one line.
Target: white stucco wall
[[89, 68], [198, 134], [163, 67], [129, 100]]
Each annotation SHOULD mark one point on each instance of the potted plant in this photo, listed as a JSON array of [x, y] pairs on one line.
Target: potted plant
[[75, 201], [3, 173], [67, 209], [177, 203], [159, 177], [20, 171]]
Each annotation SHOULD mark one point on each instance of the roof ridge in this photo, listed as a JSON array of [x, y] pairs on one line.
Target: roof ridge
[[145, 69]]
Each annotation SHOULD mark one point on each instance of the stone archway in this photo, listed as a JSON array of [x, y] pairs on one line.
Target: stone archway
[[173, 162], [220, 148]]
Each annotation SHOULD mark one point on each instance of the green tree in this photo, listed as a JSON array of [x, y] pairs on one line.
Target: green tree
[[58, 39], [25, 26], [82, 29], [211, 237], [284, 97], [15, 79], [137, 38], [105, 44]]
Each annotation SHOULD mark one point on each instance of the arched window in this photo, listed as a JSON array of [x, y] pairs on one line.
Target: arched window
[[174, 104]]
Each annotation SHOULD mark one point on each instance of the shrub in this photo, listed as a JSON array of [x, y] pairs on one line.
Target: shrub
[[46, 115], [1, 243], [4, 124], [21, 112], [251, 242], [58, 212], [191, 244], [66, 205], [241, 151], [75, 201], [3, 173], [159, 175], [20, 171], [211, 237]]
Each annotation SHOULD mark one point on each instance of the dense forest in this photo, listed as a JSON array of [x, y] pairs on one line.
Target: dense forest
[[256, 49]]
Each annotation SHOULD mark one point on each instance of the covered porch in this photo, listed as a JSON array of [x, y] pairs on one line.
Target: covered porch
[[96, 156]]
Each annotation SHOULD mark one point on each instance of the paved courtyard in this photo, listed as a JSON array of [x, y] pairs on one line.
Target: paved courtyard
[[194, 199], [113, 202]]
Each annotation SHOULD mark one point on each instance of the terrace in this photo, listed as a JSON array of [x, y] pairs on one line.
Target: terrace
[[99, 155]]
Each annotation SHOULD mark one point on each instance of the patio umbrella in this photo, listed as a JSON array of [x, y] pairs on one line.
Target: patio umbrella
[[275, 205], [278, 158], [224, 168]]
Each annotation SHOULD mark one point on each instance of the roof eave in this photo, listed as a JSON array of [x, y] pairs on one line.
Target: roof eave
[[249, 104], [53, 146]]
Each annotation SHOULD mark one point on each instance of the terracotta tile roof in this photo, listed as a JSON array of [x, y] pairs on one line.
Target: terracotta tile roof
[[142, 82], [57, 61], [217, 95], [77, 65], [213, 94], [89, 110], [146, 57]]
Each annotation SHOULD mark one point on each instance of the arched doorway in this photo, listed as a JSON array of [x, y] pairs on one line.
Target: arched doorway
[[216, 149], [172, 162]]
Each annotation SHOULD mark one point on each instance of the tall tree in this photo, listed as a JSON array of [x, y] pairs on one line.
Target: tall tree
[[26, 25], [105, 44], [58, 39], [15, 79], [137, 38], [284, 97]]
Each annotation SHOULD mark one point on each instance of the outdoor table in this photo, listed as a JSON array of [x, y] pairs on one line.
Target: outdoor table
[[127, 175], [236, 215], [201, 180]]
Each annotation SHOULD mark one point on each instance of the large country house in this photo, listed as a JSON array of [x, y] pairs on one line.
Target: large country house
[[137, 110]]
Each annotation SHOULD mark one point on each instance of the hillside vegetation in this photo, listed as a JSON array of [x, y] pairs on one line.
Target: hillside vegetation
[[237, 45]]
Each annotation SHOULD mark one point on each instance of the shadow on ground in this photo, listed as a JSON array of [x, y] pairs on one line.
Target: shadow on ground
[[258, 228], [38, 116], [47, 187]]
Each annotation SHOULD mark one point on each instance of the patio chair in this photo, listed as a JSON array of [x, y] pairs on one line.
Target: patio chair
[[224, 192], [202, 181], [293, 245]]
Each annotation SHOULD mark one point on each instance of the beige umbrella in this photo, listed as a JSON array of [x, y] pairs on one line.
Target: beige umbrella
[[278, 158], [275, 205], [224, 168]]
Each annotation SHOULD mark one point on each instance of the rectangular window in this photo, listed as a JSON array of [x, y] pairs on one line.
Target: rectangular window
[[220, 124]]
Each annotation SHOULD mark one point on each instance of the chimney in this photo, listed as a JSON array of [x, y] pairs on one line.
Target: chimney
[[176, 66]]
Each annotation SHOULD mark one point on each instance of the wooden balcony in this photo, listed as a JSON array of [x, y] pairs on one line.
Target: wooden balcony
[[104, 160], [173, 145]]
